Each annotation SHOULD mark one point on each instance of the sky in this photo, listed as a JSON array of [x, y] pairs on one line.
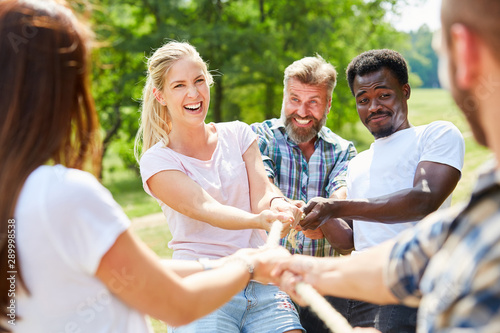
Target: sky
[[417, 13]]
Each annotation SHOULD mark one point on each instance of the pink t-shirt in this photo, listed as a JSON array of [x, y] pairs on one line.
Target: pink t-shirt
[[224, 177]]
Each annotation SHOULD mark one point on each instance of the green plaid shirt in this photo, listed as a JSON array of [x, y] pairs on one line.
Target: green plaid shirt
[[300, 180]]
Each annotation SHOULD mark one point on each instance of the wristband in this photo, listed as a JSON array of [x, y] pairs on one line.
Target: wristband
[[284, 198]]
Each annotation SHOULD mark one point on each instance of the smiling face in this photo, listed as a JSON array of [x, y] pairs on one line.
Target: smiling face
[[382, 102], [186, 91], [304, 110]]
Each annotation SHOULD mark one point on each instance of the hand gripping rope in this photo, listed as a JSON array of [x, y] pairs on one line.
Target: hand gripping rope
[[333, 320]]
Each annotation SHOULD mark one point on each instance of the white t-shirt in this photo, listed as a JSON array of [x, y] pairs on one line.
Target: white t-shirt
[[224, 177], [65, 222], [390, 165]]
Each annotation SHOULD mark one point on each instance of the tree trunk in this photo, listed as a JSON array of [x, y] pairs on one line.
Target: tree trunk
[[219, 97], [270, 111], [111, 133]]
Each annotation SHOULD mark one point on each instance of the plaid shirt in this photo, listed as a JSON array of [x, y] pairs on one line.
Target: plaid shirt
[[449, 265], [300, 180]]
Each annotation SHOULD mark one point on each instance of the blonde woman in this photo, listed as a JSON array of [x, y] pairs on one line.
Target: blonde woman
[[210, 182]]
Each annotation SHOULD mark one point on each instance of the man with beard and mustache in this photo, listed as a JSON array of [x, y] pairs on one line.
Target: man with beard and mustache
[[305, 159], [448, 264]]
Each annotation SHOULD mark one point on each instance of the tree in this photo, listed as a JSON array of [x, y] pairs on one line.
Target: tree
[[248, 42], [421, 58]]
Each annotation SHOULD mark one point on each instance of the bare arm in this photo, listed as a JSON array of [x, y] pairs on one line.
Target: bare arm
[[337, 231], [263, 190], [433, 183], [358, 277], [184, 195], [132, 272]]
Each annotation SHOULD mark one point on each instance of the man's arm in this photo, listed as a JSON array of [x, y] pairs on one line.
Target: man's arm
[[338, 232], [432, 184], [359, 277]]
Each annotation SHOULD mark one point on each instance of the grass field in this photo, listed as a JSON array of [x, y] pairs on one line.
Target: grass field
[[426, 105]]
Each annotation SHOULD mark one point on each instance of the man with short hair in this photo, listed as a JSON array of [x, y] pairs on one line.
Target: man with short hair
[[448, 264], [305, 159], [407, 173]]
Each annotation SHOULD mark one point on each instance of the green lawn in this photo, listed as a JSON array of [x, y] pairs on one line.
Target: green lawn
[[126, 187], [426, 105]]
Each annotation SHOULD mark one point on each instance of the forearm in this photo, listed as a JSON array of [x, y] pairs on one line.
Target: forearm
[[185, 268], [207, 291], [263, 201], [358, 276], [402, 206], [182, 268], [432, 184], [185, 196], [338, 233], [132, 272], [225, 217]]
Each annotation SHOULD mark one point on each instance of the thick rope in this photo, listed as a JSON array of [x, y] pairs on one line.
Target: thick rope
[[331, 317]]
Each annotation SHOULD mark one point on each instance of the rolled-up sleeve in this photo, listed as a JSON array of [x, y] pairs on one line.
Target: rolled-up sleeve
[[263, 139]]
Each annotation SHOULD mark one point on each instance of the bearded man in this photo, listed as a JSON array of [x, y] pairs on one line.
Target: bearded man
[[305, 159]]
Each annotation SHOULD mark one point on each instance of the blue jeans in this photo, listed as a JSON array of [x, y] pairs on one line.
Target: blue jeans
[[385, 318], [258, 308]]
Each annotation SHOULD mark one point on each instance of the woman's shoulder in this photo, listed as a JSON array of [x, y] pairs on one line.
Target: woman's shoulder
[[61, 188], [159, 153], [64, 180], [232, 126], [234, 129], [59, 174]]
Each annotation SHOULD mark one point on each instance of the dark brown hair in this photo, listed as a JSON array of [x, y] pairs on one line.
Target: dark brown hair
[[47, 114]]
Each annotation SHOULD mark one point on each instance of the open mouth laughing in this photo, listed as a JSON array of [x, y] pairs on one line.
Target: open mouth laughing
[[302, 122], [193, 107]]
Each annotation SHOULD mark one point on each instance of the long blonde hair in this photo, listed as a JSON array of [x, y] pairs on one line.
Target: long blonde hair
[[156, 122]]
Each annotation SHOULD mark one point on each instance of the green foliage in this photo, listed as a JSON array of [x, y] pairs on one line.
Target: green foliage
[[126, 187], [421, 57], [249, 42]]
